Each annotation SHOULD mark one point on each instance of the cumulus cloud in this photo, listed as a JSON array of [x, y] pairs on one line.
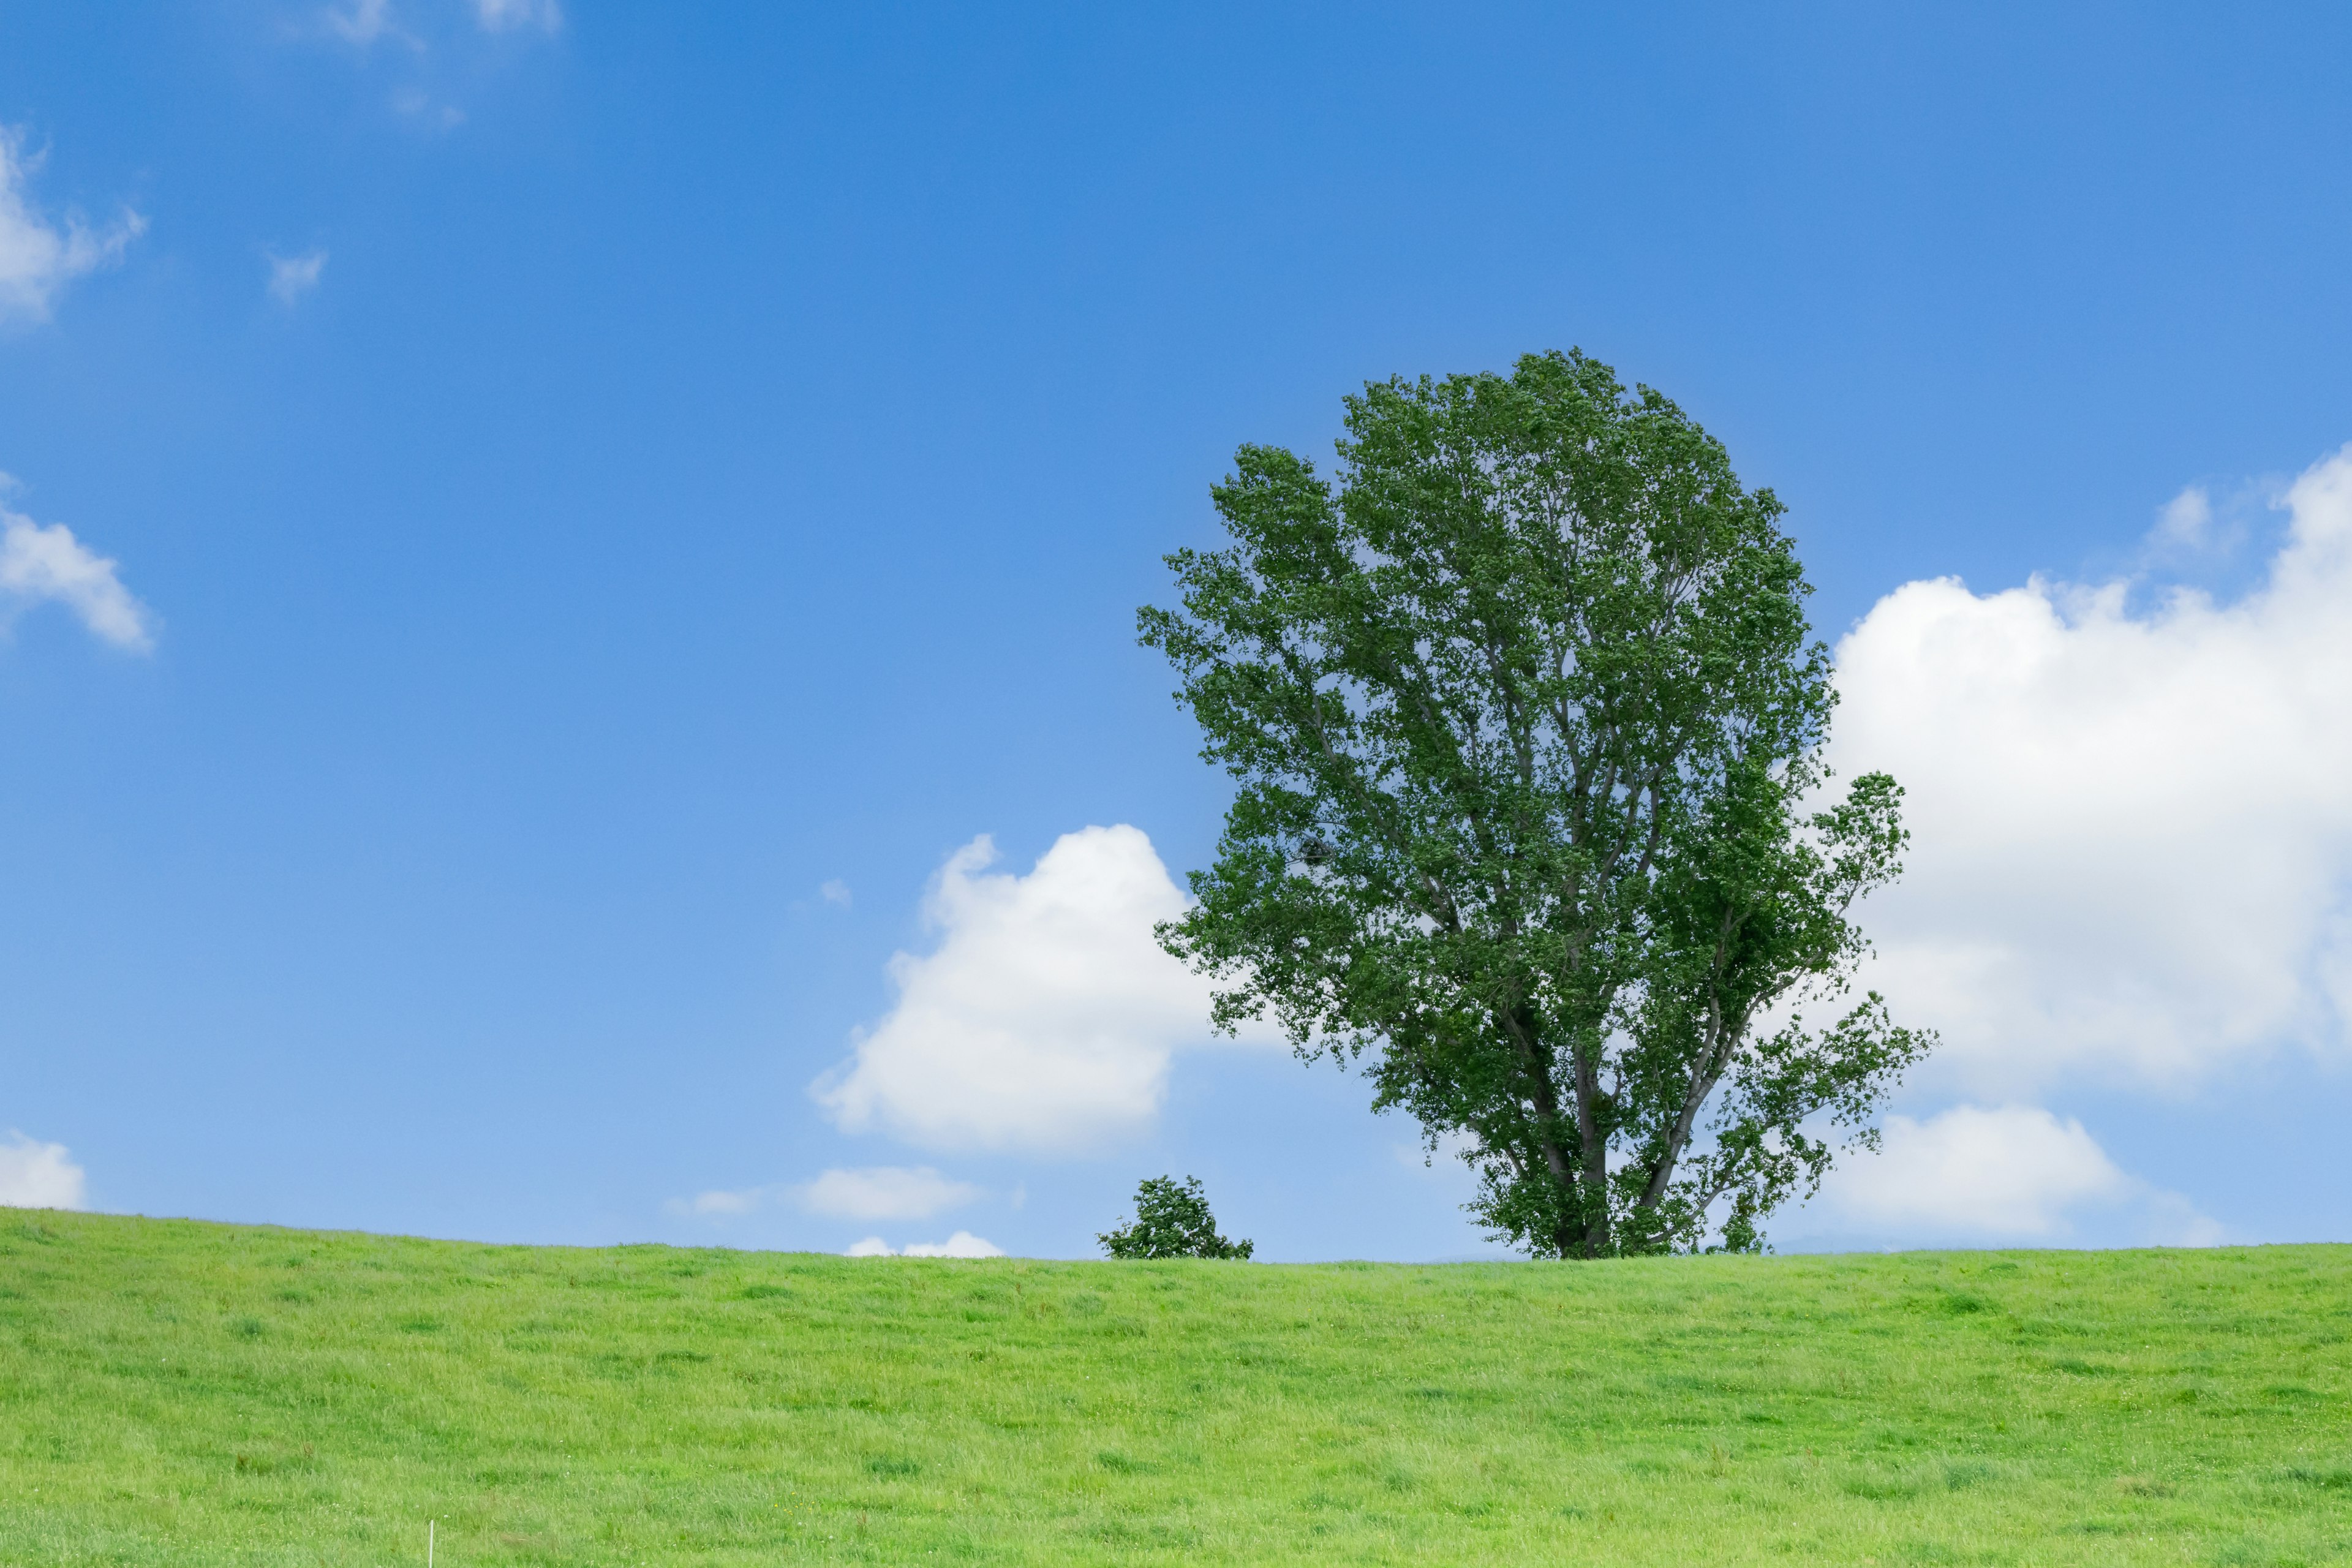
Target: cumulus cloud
[[2013, 1174], [1045, 1018], [34, 1175], [2133, 832], [38, 563], [38, 258], [291, 277], [962, 1244]]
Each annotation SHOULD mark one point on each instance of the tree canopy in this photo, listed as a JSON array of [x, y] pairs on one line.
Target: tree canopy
[[1525, 718]]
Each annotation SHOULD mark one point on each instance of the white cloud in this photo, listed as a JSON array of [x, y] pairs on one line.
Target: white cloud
[[836, 891], [883, 1191], [962, 1244], [37, 258], [291, 277], [36, 1175], [37, 562], [1045, 1018], [2012, 1174], [2010, 1171], [505, 15], [2133, 832]]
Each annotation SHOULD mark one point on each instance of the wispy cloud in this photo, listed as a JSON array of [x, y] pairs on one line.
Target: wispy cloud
[[426, 111], [291, 277], [2186, 520], [40, 562], [441, 45], [37, 257], [836, 891], [871, 1192], [741, 1200], [361, 22], [510, 16], [365, 22], [36, 1175], [883, 1191]]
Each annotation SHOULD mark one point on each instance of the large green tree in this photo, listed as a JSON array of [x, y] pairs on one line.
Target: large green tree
[[1525, 718]]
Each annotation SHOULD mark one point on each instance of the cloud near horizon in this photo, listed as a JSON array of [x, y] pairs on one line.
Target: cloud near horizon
[[962, 1244], [37, 258], [1046, 1017], [2010, 1173], [2132, 853], [37, 1175]]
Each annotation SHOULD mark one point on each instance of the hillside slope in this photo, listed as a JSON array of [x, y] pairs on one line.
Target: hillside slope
[[185, 1393]]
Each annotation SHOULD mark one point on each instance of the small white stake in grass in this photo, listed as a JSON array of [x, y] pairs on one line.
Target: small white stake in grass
[[428, 1543]]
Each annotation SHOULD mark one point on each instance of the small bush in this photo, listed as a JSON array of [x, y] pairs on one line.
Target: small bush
[[1171, 1220]]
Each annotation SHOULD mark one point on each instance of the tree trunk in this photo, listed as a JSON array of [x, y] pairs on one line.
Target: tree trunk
[[1594, 1184]]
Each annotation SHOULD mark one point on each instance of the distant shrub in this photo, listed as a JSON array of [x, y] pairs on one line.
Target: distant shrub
[[1171, 1220]]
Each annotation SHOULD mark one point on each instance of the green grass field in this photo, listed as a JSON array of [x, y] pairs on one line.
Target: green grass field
[[185, 1393]]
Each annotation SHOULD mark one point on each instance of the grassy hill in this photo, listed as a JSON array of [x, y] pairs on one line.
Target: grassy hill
[[185, 1393]]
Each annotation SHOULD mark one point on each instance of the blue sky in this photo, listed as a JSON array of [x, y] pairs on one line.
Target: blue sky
[[608, 504]]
